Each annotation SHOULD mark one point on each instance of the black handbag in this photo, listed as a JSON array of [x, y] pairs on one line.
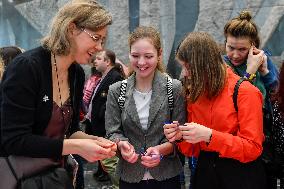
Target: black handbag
[[56, 178], [38, 173], [269, 157]]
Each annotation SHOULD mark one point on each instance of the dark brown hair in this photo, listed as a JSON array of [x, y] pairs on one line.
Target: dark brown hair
[[9, 53], [243, 26], [109, 55], [119, 68]]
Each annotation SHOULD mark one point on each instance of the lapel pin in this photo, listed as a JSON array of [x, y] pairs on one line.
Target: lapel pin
[[45, 98]]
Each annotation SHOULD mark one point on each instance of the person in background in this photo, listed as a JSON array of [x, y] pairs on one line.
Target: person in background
[[8, 53], [247, 60], [90, 84], [123, 66], [278, 126], [228, 143], [244, 57], [105, 64], [2, 67], [43, 89], [146, 158]]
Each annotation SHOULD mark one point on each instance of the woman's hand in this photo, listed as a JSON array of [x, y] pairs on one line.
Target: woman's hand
[[90, 149], [151, 158], [127, 151], [172, 131], [194, 133], [102, 141], [263, 68], [255, 59]]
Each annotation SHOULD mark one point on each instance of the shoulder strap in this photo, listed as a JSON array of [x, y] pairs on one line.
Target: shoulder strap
[[236, 91], [11, 168], [170, 93], [121, 98]]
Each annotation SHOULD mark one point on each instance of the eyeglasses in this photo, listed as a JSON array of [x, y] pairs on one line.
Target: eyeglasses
[[96, 39]]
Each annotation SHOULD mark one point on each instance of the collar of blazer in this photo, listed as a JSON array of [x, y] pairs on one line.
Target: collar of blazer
[[159, 96]]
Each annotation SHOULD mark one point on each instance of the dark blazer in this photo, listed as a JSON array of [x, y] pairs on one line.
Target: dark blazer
[[125, 125], [97, 126], [26, 104]]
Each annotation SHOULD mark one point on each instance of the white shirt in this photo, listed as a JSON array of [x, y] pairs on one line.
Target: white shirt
[[142, 102]]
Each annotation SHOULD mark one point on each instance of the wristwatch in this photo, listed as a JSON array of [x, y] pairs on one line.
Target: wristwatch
[[249, 76]]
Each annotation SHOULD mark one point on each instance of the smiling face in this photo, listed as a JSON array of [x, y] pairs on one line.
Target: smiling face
[[144, 58], [86, 43], [237, 49]]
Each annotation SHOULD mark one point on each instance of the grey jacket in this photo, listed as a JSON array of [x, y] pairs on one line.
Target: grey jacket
[[125, 125]]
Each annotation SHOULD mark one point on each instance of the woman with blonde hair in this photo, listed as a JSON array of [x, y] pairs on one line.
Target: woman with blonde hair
[[227, 143], [146, 158], [42, 90]]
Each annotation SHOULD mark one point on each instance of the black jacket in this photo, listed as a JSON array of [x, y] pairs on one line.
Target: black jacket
[[97, 126], [25, 110]]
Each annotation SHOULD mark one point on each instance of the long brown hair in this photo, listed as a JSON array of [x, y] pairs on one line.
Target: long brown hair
[[243, 26], [110, 55], [204, 63]]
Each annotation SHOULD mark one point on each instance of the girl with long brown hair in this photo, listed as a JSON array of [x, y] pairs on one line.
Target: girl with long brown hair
[[227, 143]]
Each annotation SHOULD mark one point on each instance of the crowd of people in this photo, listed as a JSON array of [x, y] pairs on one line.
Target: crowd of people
[[225, 113]]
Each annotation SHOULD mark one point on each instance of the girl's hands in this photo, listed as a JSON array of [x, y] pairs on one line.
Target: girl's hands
[[263, 68], [172, 131], [127, 151], [257, 60], [194, 133], [151, 158]]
